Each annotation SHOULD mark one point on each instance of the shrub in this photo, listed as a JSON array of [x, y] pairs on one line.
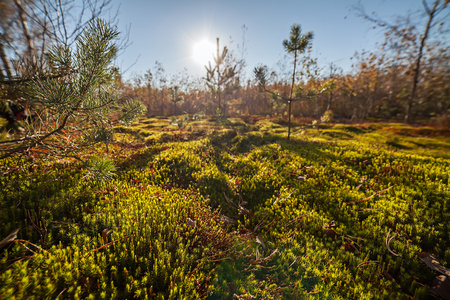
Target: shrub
[[327, 117]]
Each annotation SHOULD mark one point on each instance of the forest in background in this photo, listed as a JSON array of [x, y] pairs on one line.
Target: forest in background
[[377, 89], [407, 78]]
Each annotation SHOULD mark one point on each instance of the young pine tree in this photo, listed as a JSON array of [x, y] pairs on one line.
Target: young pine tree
[[219, 75], [75, 98], [295, 45]]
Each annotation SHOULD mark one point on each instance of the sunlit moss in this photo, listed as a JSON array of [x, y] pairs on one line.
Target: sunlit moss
[[228, 207]]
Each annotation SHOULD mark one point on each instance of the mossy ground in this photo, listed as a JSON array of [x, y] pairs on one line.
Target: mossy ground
[[218, 207]]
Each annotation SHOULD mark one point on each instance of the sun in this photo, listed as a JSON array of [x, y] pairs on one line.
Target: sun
[[202, 52]]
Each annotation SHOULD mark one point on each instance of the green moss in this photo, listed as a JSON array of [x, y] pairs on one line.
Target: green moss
[[305, 218]]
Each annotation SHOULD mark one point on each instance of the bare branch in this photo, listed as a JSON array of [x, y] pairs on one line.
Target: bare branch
[[425, 5]]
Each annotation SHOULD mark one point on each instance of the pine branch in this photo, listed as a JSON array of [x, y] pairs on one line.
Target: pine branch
[[19, 81], [11, 152]]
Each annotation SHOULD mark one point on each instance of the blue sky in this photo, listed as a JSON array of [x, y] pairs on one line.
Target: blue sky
[[165, 31]]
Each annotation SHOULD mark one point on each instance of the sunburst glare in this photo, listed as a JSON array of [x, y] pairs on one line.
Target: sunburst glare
[[202, 52]]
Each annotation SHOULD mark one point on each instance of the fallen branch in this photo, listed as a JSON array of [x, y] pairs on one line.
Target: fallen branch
[[16, 260], [281, 200], [295, 260], [24, 241], [230, 202], [353, 242], [10, 238], [368, 198], [270, 256], [388, 241], [300, 217], [433, 263], [366, 263], [61, 292], [354, 237], [259, 225], [105, 245]]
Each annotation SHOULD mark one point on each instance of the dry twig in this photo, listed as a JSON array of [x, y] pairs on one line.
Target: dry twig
[[366, 263], [388, 241], [368, 198], [105, 245], [300, 217]]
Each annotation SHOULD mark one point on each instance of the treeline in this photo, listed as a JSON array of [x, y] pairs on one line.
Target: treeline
[[377, 88], [406, 79]]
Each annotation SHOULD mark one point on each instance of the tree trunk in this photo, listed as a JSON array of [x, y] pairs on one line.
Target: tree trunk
[[6, 62], [26, 31], [411, 98], [290, 96], [289, 122], [330, 100], [218, 77]]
